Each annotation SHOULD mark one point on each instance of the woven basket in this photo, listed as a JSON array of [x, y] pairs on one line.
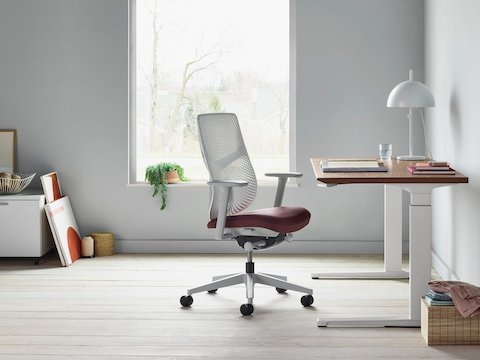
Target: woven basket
[[443, 325], [104, 243]]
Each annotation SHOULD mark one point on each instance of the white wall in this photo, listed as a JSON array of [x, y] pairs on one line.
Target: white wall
[[452, 63], [63, 86]]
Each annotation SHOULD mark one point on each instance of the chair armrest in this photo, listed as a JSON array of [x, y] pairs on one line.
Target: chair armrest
[[228, 183], [282, 182], [224, 187], [285, 175]]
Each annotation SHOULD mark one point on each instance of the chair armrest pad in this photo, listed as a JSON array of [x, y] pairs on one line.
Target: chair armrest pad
[[285, 175], [228, 183]]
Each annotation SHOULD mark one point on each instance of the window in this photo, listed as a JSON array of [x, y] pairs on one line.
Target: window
[[197, 56]]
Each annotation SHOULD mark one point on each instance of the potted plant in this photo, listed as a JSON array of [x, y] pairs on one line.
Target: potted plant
[[161, 174]]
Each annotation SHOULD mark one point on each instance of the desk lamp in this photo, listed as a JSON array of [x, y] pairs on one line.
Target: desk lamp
[[411, 94]]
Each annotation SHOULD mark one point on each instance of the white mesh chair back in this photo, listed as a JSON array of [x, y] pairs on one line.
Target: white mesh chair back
[[226, 158]]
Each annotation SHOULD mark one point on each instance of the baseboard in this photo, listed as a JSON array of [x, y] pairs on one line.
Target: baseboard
[[441, 267], [230, 247]]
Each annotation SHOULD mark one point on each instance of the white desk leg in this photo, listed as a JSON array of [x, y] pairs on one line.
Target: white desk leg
[[393, 232], [392, 242], [420, 265], [420, 249]]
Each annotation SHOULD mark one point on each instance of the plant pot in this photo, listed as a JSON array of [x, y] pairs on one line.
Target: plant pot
[[172, 177]]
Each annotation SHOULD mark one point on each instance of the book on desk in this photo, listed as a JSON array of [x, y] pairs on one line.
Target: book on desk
[[431, 168], [352, 165]]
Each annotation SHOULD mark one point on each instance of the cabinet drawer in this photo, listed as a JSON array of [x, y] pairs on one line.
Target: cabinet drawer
[[20, 228]]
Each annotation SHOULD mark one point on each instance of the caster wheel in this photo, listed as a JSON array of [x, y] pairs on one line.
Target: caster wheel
[[246, 309], [281, 291], [307, 300], [186, 301], [212, 291]]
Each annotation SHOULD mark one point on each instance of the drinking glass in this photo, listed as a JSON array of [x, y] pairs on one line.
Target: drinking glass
[[385, 151]]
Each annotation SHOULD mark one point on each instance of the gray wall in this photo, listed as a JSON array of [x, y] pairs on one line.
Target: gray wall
[[452, 62], [63, 86]]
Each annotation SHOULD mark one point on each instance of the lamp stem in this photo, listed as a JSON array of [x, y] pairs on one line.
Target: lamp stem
[[410, 131]]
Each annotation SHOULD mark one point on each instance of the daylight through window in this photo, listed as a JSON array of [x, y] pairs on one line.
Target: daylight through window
[[203, 56]]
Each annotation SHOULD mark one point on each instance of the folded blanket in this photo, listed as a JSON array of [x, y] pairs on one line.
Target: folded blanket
[[438, 303], [444, 286], [472, 291], [465, 306], [438, 296], [464, 295]]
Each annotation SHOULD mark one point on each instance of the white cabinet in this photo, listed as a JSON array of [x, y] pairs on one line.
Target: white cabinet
[[24, 230]]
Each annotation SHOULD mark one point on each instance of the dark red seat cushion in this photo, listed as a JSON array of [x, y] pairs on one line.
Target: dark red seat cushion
[[279, 219]]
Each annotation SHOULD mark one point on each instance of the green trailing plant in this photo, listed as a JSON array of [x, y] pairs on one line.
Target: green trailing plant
[[156, 175]]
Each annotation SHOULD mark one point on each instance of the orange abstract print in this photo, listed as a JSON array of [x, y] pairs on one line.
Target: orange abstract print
[[74, 244]]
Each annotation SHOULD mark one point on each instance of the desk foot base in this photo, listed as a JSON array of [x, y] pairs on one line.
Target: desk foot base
[[370, 323], [363, 275]]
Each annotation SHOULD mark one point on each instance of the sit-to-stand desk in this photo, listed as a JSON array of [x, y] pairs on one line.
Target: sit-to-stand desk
[[420, 188]]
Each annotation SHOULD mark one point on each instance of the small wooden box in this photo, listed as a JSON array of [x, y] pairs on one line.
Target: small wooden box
[[443, 325]]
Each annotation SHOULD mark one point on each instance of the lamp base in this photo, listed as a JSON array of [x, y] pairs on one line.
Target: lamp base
[[411, 157]]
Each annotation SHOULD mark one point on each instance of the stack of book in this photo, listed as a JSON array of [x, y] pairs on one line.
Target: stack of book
[[431, 168]]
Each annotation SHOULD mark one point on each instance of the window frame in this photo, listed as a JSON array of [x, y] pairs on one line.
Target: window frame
[[132, 120]]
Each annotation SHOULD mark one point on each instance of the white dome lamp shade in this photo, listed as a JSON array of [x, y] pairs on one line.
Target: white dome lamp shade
[[411, 94]]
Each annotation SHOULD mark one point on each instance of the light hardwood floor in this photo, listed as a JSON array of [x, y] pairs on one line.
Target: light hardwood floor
[[127, 307]]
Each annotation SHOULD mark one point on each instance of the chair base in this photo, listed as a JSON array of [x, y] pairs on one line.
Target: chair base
[[249, 278]]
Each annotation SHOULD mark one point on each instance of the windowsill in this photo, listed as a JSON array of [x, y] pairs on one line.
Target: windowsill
[[203, 184]]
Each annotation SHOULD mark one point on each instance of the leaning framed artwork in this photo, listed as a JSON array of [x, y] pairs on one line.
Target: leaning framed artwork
[[64, 229], [8, 151], [51, 187]]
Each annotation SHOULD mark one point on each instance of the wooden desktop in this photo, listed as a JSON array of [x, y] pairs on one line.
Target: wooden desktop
[[397, 174]]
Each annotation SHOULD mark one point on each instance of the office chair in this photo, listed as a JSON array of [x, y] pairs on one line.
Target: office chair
[[233, 188]]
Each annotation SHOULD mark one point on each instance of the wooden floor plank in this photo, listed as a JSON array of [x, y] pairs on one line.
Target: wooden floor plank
[[126, 307]]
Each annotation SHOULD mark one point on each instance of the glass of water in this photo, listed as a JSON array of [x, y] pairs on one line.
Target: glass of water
[[385, 151]]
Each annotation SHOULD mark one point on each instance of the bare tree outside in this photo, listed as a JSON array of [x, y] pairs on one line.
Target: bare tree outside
[[156, 27], [197, 56], [176, 120]]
